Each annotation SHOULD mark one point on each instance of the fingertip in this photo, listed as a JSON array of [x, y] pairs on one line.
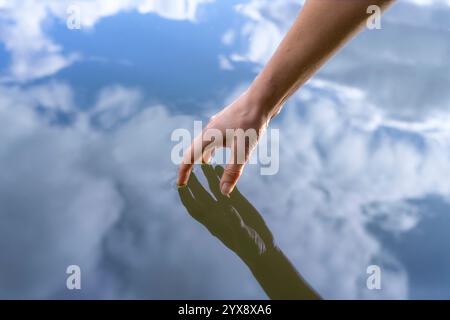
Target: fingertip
[[182, 181], [183, 174], [226, 188]]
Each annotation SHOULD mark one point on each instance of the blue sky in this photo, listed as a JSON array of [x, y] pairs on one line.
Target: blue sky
[[85, 123]]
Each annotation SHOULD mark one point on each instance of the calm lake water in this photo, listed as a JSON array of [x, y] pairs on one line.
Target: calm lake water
[[90, 93]]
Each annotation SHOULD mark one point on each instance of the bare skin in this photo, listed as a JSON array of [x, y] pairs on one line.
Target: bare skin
[[319, 31]]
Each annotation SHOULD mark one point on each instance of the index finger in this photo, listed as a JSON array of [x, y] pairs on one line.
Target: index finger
[[192, 155]]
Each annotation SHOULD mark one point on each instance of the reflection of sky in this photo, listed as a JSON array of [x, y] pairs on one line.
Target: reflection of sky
[[85, 123], [170, 76]]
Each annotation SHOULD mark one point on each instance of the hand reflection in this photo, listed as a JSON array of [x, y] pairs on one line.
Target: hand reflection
[[235, 222]]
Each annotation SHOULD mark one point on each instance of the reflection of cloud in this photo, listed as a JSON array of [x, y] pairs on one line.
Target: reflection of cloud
[[115, 105], [348, 173], [266, 23], [103, 200], [76, 194], [35, 55], [51, 96], [397, 216], [368, 135], [93, 11], [56, 211], [224, 63], [430, 2], [404, 68]]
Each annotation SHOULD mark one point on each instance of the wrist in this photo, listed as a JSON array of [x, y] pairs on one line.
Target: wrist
[[251, 111], [258, 261], [263, 97]]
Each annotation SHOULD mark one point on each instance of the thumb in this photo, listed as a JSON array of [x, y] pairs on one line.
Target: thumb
[[230, 177]]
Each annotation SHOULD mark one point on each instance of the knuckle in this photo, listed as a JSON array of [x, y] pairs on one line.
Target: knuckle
[[233, 171]]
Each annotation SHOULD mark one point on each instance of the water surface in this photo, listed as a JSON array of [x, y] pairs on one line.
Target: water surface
[[86, 117]]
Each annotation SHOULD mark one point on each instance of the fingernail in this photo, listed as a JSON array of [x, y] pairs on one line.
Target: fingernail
[[226, 188], [179, 186]]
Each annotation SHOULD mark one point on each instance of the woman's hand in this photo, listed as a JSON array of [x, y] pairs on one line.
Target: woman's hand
[[238, 127], [321, 28]]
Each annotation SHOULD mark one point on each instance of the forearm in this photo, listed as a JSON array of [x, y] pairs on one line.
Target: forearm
[[278, 277], [321, 28]]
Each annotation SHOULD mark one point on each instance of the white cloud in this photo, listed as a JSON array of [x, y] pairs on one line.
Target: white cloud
[[430, 2], [51, 202], [35, 55], [224, 63], [403, 68], [98, 195], [105, 200], [102, 200], [228, 37], [114, 105], [347, 175]]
